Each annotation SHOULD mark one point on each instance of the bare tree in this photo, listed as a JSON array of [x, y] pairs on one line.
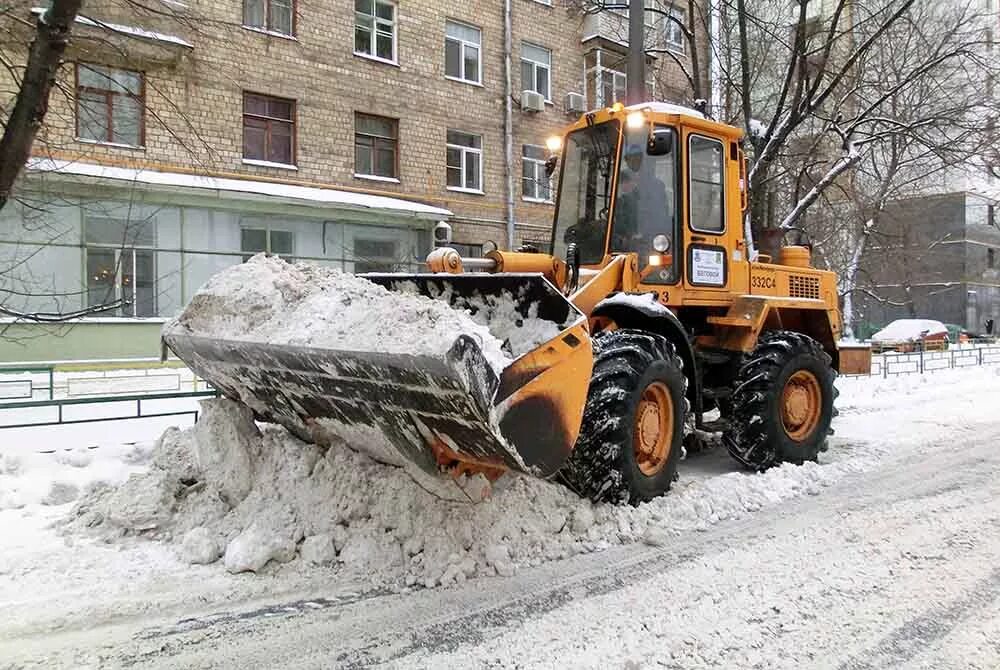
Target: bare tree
[[918, 116]]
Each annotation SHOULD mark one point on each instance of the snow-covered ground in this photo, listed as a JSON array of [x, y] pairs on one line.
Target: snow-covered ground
[[798, 567]]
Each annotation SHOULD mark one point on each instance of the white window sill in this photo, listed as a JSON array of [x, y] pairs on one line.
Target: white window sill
[[384, 61], [470, 191], [115, 145], [464, 81], [677, 50], [269, 164], [272, 33], [538, 201], [542, 2], [375, 177]]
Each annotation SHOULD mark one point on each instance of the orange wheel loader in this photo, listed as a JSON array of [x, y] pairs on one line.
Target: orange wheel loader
[[662, 318]]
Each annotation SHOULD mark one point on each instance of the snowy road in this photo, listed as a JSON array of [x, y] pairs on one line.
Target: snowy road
[[895, 565]]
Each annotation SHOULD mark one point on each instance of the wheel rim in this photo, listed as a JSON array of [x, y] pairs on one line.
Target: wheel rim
[[801, 405], [654, 429]]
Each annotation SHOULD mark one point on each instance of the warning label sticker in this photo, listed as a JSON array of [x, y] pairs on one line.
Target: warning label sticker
[[708, 267]]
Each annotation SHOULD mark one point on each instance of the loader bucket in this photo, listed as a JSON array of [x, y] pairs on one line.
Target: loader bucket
[[453, 413]]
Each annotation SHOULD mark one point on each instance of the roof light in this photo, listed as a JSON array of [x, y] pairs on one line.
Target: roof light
[[635, 120], [617, 107], [554, 143]]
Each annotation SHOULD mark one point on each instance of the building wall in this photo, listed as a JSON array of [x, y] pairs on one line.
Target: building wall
[[194, 95], [931, 260]]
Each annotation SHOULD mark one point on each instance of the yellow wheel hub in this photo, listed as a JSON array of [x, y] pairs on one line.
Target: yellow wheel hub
[[654, 429], [801, 405]]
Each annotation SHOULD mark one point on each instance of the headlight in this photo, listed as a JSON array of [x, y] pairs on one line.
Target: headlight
[[553, 144], [635, 120], [661, 243]]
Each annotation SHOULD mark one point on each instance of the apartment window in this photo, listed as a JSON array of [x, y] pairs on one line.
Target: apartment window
[[462, 52], [376, 146], [273, 16], [109, 105], [674, 33], [705, 189], [535, 184], [465, 161], [991, 258], [375, 255], [121, 265], [268, 129], [375, 29], [536, 66], [255, 240]]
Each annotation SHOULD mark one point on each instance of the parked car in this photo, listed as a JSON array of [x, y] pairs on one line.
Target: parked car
[[905, 335]]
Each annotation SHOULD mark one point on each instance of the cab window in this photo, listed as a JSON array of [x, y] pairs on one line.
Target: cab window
[[706, 184]]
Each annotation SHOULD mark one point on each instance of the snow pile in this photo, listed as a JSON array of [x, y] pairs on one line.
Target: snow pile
[[269, 300], [909, 329], [259, 498], [59, 476], [500, 314]]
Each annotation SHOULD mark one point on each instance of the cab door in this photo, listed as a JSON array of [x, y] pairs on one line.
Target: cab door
[[707, 259]]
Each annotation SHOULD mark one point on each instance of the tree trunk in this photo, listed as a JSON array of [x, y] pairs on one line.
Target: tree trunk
[[44, 58], [850, 279]]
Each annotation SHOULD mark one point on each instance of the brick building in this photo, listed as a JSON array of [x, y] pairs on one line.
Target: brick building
[[183, 138]]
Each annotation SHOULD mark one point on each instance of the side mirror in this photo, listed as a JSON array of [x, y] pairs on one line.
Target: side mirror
[[660, 143]]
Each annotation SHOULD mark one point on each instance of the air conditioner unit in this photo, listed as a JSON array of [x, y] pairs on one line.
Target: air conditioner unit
[[575, 104], [532, 101]]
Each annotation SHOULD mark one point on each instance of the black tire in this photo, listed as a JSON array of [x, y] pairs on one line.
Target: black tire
[[757, 436], [603, 465]]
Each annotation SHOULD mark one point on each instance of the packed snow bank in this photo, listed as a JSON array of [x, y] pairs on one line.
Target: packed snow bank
[[59, 476], [909, 329], [260, 498], [269, 300]]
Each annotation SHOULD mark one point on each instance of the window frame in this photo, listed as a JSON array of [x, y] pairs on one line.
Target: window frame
[[374, 260], [109, 96], [120, 250], [292, 121], [539, 165], [534, 70], [462, 44], [266, 29], [267, 230], [373, 175], [463, 151], [373, 41], [680, 47], [722, 184]]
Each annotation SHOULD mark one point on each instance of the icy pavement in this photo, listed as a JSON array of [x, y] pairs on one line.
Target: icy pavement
[[908, 487]]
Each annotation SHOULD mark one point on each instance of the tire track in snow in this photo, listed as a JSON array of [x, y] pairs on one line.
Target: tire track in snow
[[917, 634]]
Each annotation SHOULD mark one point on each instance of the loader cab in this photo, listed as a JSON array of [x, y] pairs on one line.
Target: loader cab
[[618, 194], [651, 180]]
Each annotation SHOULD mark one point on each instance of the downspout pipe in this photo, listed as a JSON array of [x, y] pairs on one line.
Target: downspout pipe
[[508, 125]]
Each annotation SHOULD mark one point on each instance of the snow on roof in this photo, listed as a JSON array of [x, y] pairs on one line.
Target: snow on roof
[[909, 329], [131, 31], [325, 196], [667, 108]]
